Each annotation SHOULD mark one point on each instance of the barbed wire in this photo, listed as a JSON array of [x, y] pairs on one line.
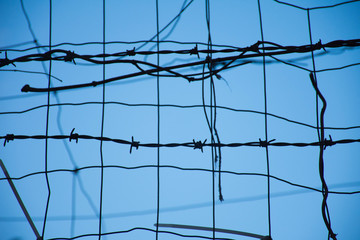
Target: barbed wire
[[69, 56], [192, 144], [215, 67]]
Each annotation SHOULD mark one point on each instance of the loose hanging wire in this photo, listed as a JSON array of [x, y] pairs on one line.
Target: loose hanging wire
[[321, 136], [210, 123]]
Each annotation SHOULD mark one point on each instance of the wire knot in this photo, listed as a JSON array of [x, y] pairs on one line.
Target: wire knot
[[265, 143], [328, 142], [47, 55], [70, 57], [134, 144], [131, 52], [195, 51], [254, 47], [73, 136], [94, 83], [199, 144], [8, 138], [208, 59]]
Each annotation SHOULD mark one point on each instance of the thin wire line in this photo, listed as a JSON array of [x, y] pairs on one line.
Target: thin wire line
[[314, 8], [55, 94], [314, 70], [211, 124], [165, 27], [179, 106], [183, 169], [177, 17], [102, 124], [158, 120], [73, 206], [114, 42], [47, 126], [139, 228], [321, 135], [266, 125], [325, 190]]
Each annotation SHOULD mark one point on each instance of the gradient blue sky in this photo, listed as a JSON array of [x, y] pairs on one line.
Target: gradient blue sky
[[130, 196]]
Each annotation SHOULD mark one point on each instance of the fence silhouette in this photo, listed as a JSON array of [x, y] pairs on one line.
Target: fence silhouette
[[227, 123]]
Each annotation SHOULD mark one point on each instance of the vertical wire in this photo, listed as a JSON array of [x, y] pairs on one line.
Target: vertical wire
[[266, 125], [47, 124], [158, 121], [58, 120], [73, 204], [321, 137], [314, 70], [102, 126], [209, 47]]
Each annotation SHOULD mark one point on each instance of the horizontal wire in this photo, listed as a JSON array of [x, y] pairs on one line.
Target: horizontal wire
[[195, 145], [315, 8], [114, 42], [69, 55], [138, 228], [77, 170], [177, 106], [32, 72]]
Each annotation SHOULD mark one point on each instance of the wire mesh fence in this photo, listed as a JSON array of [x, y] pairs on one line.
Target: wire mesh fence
[[228, 120]]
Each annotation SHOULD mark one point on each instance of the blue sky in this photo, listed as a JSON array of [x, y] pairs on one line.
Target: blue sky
[[130, 195]]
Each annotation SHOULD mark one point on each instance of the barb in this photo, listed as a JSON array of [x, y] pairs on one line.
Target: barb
[[134, 144], [199, 144]]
